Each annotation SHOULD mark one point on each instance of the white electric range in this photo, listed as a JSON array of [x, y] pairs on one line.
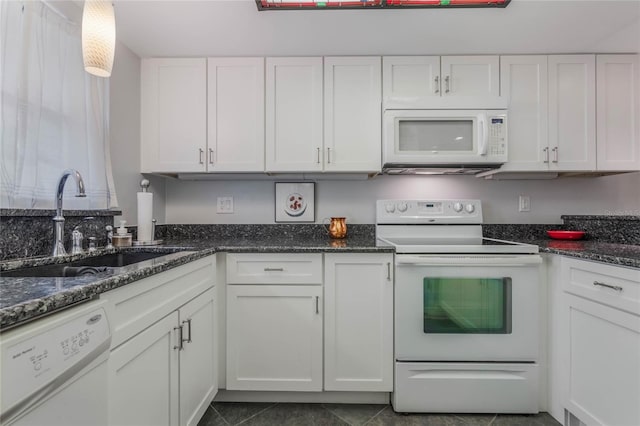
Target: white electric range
[[466, 310]]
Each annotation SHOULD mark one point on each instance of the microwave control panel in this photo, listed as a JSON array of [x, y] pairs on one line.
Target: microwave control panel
[[497, 135]]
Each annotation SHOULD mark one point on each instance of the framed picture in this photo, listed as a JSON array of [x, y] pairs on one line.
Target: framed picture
[[295, 202]]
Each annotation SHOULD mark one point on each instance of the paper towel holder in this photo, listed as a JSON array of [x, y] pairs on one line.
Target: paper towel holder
[[144, 184]]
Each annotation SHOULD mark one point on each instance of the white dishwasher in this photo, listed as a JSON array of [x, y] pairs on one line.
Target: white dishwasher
[[54, 370]]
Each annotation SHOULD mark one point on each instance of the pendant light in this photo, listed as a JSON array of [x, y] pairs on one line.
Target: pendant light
[[98, 37]]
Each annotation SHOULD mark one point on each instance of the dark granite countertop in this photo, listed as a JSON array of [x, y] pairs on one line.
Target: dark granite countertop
[[615, 254], [23, 299]]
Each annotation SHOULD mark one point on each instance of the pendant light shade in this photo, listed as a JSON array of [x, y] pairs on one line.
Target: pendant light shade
[[98, 37]]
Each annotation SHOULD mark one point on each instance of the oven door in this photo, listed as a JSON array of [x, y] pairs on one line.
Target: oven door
[[467, 307]]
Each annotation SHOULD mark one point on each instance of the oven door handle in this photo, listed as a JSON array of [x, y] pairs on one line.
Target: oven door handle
[[462, 261]]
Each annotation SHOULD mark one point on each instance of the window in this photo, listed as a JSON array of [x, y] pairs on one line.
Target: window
[[53, 114]]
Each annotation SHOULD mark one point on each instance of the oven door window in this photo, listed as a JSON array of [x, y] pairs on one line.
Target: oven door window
[[435, 135], [467, 305]]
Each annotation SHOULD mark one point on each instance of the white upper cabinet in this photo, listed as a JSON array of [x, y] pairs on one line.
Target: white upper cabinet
[[618, 112], [572, 112], [523, 81], [235, 115], [352, 114], [294, 114], [470, 76], [423, 78], [174, 115], [411, 77]]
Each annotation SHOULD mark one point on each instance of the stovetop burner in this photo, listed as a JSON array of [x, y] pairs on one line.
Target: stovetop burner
[[438, 226]]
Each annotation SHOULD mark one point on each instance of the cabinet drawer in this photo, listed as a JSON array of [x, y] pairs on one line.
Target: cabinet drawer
[[615, 286], [136, 306], [280, 268]]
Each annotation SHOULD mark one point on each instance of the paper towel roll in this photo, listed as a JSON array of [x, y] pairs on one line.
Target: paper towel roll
[[145, 216]]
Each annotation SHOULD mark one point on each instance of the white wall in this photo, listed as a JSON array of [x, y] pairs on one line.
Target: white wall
[[195, 201], [237, 28], [125, 138]]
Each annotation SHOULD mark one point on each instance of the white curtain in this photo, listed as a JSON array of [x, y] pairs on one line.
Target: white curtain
[[54, 115]]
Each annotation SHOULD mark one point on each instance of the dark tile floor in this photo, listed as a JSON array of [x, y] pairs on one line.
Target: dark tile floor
[[269, 414]]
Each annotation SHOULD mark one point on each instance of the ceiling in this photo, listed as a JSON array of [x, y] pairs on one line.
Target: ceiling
[[237, 28]]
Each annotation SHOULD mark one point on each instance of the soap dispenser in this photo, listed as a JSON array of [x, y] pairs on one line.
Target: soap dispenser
[[122, 237]]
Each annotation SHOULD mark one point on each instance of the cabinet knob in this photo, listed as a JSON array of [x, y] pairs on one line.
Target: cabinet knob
[[201, 154], [210, 156], [437, 84], [446, 84]]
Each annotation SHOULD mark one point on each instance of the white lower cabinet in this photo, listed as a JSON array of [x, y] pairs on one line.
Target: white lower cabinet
[[274, 337], [277, 311], [602, 348], [198, 381], [162, 369], [358, 334], [143, 374]]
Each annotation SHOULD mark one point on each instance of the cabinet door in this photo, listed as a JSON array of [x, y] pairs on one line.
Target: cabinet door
[[352, 114], [523, 81], [470, 75], [294, 114], [198, 381], [358, 322], [174, 115], [618, 112], [274, 338], [572, 112], [410, 78], [236, 115], [143, 377], [603, 373]]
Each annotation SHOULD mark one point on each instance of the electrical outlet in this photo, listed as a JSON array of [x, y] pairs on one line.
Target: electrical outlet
[[524, 203], [224, 205]]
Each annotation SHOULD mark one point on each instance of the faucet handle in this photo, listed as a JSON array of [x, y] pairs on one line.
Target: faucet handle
[[92, 244], [76, 238], [109, 230]]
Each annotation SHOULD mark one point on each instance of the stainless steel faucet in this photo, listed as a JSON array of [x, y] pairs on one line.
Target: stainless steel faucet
[[58, 219]]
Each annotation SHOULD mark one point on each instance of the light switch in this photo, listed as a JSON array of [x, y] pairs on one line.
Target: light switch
[[224, 205]]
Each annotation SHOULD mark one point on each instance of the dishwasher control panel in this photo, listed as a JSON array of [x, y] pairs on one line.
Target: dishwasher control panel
[[35, 359]]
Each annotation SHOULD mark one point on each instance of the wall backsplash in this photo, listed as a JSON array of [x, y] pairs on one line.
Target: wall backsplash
[[28, 233], [195, 201]]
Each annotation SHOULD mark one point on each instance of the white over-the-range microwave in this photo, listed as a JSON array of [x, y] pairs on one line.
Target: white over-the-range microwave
[[444, 140]]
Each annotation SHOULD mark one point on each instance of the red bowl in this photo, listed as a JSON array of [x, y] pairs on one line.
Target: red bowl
[[566, 235]]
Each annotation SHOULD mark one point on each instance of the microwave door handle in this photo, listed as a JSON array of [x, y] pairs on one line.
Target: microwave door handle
[[484, 134]]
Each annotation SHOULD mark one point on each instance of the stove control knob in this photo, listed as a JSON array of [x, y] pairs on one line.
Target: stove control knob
[[402, 207], [470, 208], [390, 208], [457, 207]]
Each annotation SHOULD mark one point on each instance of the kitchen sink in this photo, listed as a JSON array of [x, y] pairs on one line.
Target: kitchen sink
[[107, 263]]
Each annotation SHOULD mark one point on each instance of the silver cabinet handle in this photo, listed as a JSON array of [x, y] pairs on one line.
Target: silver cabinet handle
[[317, 304], [210, 156], [328, 155], [180, 339], [274, 269], [201, 153], [388, 271], [188, 322], [437, 81], [546, 154], [318, 160], [613, 287], [446, 84], [555, 154]]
